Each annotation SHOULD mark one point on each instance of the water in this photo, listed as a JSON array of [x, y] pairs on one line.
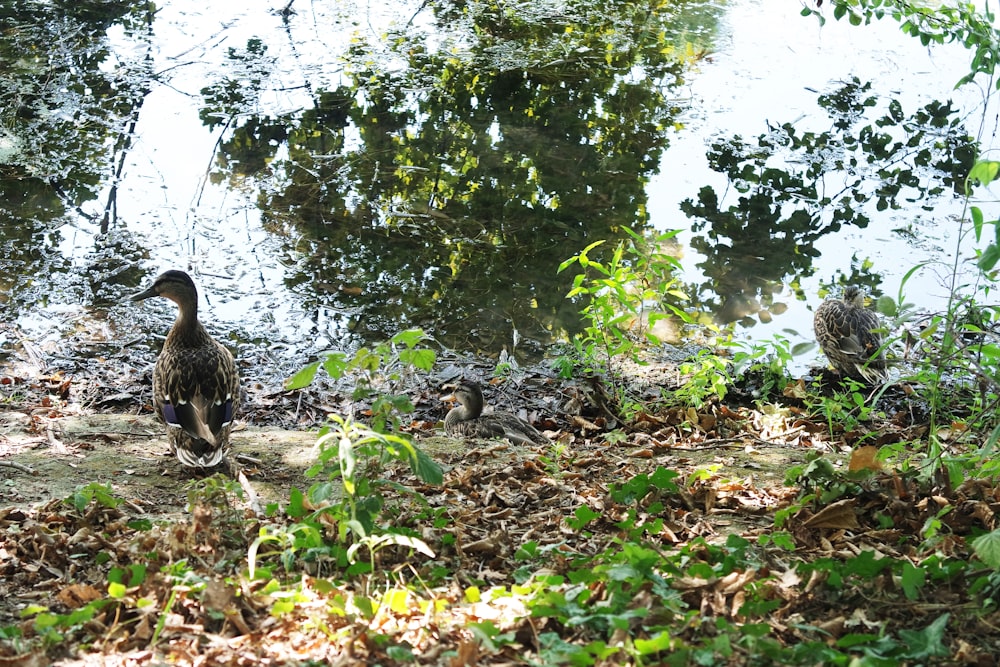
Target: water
[[312, 223], [770, 66]]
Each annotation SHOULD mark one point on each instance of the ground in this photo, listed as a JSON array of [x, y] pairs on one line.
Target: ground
[[69, 560], [129, 453]]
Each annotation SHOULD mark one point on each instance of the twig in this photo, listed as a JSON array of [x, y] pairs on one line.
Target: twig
[[735, 443], [57, 445], [251, 494], [18, 466], [135, 507]]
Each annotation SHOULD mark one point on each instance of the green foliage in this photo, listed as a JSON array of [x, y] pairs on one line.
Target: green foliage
[[763, 364], [624, 296], [844, 408], [350, 496], [377, 371], [987, 548], [102, 494], [53, 627], [706, 375], [963, 22]]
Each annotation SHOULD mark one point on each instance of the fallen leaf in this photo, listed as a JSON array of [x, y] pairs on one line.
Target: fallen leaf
[[838, 515], [864, 458]]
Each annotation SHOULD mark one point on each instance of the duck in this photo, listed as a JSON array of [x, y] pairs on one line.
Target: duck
[[849, 335], [196, 385], [467, 419]]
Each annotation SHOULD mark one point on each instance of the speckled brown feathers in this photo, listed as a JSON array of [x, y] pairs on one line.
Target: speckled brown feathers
[[849, 335], [467, 419], [196, 387]]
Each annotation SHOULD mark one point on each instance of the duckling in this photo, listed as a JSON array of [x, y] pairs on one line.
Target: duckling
[[467, 419], [196, 387], [849, 335]]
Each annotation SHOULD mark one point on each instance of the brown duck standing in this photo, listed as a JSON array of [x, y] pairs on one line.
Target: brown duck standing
[[467, 419], [849, 335], [196, 387]]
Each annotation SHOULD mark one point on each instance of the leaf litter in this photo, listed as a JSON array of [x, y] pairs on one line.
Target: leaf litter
[[730, 461]]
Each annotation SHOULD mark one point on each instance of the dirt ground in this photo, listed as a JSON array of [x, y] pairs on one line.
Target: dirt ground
[[130, 454]]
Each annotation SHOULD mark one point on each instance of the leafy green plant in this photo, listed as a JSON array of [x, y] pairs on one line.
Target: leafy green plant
[[355, 456], [349, 499], [101, 494], [706, 375], [625, 296], [763, 364], [378, 372]]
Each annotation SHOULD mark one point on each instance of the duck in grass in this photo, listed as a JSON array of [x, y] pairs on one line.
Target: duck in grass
[[849, 335], [196, 387], [466, 420]]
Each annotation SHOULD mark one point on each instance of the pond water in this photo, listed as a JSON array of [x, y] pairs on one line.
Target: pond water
[[338, 172]]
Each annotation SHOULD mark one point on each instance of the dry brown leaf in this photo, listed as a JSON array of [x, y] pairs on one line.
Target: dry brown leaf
[[710, 497], [738, 599], [795, 390], [864, 458], [33, 659], [77, 595], [838, 515], [735, 581], [707, 422], [466, 654], [689, 583]]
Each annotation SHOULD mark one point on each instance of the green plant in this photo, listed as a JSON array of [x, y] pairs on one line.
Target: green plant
[[378, 373], [706, 375], [350, 498], [763, 364], [101, 494], [356, 455], [625, 296], [216, 491]]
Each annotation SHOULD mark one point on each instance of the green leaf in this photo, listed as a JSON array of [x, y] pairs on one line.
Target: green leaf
[[348, 462], [984, 171], [296, 506], [582, 516], [886, 305], [802, 348], [926, 643], [987, 548], [989, 257], [422, 359], [657, 644], [140, 524], [426, 468], [866, 565], [912, 580], [335, 364], [136, 574], [303, 378], [409, 337], [977, 221], [663, 479]]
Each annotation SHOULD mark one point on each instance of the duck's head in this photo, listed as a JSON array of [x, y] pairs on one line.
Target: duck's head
[[174, 285], [854, 297], [469, 395], [469, 392]]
